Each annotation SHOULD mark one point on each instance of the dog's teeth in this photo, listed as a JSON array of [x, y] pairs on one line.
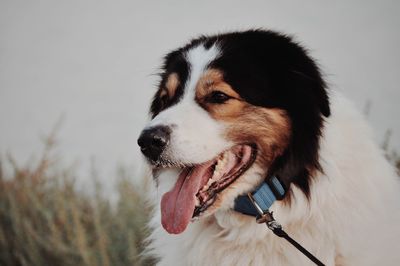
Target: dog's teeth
[[197, 201], [217, 172], [221, 164]]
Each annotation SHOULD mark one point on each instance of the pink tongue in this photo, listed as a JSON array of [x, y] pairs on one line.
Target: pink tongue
[[177, 205]]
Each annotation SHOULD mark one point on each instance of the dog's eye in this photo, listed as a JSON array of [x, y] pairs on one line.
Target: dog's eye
[[217, 97]]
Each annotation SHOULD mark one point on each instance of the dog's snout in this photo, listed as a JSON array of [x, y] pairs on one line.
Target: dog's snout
[[152, 141]]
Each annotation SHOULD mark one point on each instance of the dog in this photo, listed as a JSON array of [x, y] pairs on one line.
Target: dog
[[234, 110]]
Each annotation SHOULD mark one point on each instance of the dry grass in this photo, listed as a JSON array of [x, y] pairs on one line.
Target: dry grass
[[44, 220]]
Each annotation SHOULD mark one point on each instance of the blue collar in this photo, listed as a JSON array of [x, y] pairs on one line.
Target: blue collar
[[265, 195]]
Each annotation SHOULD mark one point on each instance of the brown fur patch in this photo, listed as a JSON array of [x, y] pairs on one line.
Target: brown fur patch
[[172, 84], [212, 80], [269, 128]]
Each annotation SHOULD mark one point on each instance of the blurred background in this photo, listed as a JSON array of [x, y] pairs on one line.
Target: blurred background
[[87, 68]]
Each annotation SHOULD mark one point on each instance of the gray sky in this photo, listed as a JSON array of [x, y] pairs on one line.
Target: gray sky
[[93, 62]]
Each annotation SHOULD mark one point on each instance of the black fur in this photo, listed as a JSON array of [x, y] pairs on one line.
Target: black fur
[[268, 69], [173, 62]]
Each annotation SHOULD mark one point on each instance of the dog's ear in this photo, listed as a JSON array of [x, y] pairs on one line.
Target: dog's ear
[[307, 106]]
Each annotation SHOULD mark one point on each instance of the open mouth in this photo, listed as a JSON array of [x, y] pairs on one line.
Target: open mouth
[[198, 186]]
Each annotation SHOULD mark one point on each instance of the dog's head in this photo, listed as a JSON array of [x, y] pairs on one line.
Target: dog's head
[[230, 111]]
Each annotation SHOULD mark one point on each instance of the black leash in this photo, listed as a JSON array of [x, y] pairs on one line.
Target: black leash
[[267, 218]]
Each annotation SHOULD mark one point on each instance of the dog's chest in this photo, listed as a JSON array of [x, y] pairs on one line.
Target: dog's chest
[[206, 243]]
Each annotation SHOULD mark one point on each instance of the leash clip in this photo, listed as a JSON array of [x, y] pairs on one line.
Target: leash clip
[[265, 216]]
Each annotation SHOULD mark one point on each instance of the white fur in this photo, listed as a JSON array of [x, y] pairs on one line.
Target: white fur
[[352, 217], [195, 136]]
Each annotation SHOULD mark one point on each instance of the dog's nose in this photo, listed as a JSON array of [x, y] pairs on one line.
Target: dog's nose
[[152, 141]]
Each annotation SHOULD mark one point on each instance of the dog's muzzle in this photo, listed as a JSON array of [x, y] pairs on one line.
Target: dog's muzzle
[[153, 141]]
